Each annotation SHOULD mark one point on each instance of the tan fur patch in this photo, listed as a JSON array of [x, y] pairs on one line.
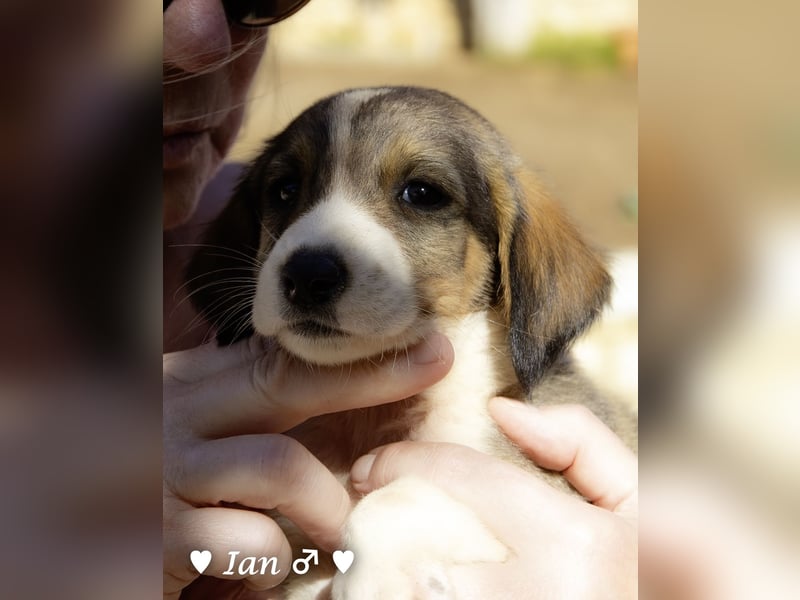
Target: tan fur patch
[[558, 257], [460, 291]]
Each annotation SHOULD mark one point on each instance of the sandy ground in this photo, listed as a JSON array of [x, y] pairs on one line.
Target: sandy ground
[[577, 130]]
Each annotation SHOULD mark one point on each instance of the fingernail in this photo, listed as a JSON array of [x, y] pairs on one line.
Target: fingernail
[[434, 348], [359, 472]]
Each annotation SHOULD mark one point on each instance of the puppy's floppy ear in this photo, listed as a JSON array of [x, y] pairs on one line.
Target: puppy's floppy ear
[[552, 285], [222, 274]]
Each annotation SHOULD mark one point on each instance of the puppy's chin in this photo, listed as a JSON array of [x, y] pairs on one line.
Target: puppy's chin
[[342, 349]]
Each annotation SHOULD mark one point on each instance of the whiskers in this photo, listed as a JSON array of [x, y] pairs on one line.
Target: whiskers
[[268, 233], [223, 314], [233, 289]]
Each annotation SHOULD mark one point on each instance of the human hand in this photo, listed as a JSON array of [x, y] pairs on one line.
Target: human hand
[[224, 411], [561, 546]]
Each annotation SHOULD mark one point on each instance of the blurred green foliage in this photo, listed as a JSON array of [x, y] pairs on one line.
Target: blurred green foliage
[[575, 51], [629, 205]]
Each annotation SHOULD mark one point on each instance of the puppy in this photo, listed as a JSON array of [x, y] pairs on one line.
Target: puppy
[[377, 216]]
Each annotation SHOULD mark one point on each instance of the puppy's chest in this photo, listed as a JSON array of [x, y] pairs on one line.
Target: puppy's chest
[[453, 410]]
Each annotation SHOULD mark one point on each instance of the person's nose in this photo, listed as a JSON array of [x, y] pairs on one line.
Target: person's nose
[[196, 35]]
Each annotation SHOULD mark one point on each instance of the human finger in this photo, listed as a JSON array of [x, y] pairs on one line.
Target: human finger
[[221, 531], [267, 471], [207, 360], [276, 391], [453, 468], [572, 440]]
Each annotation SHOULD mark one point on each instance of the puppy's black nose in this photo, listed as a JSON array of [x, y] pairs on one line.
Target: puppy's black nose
[[313, 278]]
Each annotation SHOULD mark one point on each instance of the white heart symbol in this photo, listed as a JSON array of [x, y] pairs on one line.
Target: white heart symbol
[[343, 560], [200, 559]]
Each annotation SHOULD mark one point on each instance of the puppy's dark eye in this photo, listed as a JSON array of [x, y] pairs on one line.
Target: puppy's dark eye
[[423, 195], [286, 190]]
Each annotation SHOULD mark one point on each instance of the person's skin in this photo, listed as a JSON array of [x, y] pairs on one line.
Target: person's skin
[[224, 411], [209, 67], [562, 547], [225, 408]]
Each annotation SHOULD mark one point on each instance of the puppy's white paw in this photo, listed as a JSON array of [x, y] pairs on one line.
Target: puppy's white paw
[[404, 537]]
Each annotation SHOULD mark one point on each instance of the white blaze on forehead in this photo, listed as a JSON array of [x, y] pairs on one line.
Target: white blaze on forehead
[[379, 299], [342, 118]]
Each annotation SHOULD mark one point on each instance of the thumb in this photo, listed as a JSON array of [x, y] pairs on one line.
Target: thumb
[[572, 440]]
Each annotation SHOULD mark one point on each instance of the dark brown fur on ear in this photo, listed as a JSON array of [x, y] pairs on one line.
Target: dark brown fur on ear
[[222, 274], [552, 284]]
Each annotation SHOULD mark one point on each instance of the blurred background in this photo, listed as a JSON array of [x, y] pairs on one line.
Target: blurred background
[[557, 77], [718, 131], [719, 169]]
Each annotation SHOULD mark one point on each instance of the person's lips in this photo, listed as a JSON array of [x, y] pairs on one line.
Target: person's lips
[[178, 147]]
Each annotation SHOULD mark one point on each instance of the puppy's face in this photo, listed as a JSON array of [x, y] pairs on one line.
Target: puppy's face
[[376, 220], [378, 212]]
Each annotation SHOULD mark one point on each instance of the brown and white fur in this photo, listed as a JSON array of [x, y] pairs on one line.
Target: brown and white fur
[[377, 216]]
